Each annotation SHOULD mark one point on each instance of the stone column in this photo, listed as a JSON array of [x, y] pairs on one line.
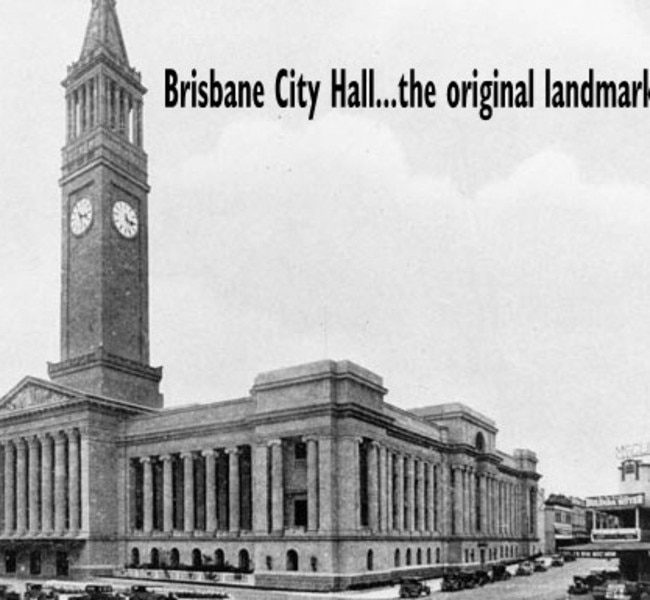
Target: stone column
[[373, 487], [168, 493], [431, 498], [260, 457], [46, 484], [399, 493], [233, 489], [466, 502], [74, 483], [420, 499], [410, 492], [34, 485], [312, 483], [458, 500], [471, 483], [21, 486], [60, 500], [10, 491], [483, 503], [277, 487], [382, 520], [327, 491], [188, 491], [210, 491], [147, 494], [389, 491]]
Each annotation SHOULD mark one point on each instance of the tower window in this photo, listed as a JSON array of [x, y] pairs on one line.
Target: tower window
[[300, 512]]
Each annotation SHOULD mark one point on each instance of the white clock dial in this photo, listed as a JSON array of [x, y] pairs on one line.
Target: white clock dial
[[125, 219], [81, 216]]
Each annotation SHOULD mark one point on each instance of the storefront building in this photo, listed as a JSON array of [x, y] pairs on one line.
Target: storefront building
[[311, 481], [629, 513]]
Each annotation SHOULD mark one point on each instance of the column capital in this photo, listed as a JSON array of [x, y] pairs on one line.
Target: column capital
[[166, 457], [145, 460], [32, 441], [59, 437], [187, 454], [312, 437], [233, 450], [208, 453], [271, 443]]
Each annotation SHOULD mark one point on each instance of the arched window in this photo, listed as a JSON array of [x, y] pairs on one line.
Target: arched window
[[408, 557], [292, 560], [438, 556], [197, 559], [398, 558], [135, 557], [418, 556], [370, 560], [154, 558], [219, 558], [244, 561], [429, 555], [174, 558], [479, 442]]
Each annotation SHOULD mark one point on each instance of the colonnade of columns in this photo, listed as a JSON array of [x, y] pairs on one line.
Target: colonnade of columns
[[484, 503], [42, 484], [100, 100], [195, 493]]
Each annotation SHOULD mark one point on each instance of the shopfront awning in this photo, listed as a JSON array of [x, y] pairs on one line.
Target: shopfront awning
[[607, 549]]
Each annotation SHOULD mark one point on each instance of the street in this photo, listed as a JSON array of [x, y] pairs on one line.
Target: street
[[551, 585]]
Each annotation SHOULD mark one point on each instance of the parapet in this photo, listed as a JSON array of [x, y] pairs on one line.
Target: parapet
[[317, 383]]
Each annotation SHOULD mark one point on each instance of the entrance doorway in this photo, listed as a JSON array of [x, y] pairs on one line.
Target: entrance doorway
[[62, 566]]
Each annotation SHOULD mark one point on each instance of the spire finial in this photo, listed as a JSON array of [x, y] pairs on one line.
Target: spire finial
[[103, 32]]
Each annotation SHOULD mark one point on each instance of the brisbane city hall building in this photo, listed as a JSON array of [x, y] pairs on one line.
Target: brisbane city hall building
[[313, 481]]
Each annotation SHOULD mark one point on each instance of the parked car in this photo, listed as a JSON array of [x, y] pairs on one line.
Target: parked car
[[500, 573], [413, 588], [557, 560], [97, 592], [525, 568], [141, 592], [36, 591], [626, 590], [540, 565], [7, 592]]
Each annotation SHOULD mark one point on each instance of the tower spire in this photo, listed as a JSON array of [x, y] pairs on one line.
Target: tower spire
[[103, 33]]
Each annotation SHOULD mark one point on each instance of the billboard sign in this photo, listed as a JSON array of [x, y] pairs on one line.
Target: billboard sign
[[616, 501]]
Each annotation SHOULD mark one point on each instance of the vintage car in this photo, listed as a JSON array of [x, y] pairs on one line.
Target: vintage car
[[557, 560], [413, 588], [7, 592], [141, 592], [500, 573], [540, 565], [525, 568], [36, 591]]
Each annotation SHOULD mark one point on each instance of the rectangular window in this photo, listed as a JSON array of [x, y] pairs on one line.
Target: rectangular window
[[300, 512]]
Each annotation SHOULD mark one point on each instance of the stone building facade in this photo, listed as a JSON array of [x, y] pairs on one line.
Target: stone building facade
[[311, 481]]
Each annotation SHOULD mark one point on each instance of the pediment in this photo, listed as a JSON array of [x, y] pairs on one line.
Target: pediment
[[35, 393]]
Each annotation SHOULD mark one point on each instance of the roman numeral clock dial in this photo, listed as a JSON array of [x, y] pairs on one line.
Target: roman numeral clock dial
[[81, 217], [125, 219]]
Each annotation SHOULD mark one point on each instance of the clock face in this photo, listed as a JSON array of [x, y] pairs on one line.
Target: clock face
[[125, 219], [81, 216]]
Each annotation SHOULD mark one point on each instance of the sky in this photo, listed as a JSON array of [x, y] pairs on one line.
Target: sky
[[500, 263]]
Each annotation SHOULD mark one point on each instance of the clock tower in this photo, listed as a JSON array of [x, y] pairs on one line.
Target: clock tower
[[104, 284]]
